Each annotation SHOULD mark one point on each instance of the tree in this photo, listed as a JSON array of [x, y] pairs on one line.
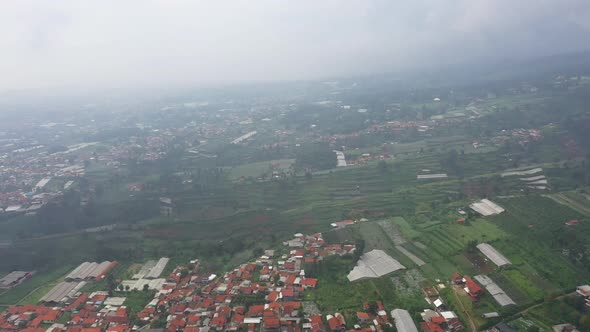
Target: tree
[[316, 156], [388, 328], [183, 274], [127, 288], [146, 287], [159, 324], [372, 308], [258, 252], [121, 287], [111, 284], [471, 245], [300, 312], [359, 249]]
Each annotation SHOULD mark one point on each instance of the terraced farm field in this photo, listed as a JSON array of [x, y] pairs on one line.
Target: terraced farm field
[[575, 200]]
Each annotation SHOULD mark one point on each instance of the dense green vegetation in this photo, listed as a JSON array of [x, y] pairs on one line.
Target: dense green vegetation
[[231, 201]]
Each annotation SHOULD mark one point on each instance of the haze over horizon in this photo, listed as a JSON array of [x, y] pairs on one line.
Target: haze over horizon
[[159, 43]]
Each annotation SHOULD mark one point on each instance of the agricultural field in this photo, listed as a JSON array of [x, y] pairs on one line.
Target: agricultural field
[[259, 169], [578, 200], [414, 221], [32, 290], [563, 309], [336, 294], [444, 247]]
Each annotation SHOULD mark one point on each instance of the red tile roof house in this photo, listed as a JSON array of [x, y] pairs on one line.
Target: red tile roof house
[[309, 283], [431, 327], [473, 289], [118, 316], [255, 310], [336, 323], [118, 328], [317, 324], [236, 321], [380, 305], [288, 294], [273, 296], [218, 322], [363, 317], [271, 324]]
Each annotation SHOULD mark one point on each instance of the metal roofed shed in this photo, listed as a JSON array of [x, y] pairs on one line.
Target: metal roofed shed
[[153, 284], [374, 264], [12, 208], [157, 270], [13, 278], [62, 291], [521, 173], [583, 290], [42, 183], [498, 293], [340, 158], [431, 176], [485, 207], [88, 270], [115, 301], [252, 320], [403, 321], [489, 315], [492, 254], [145, 269]]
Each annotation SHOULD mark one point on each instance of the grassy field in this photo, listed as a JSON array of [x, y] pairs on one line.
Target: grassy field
[[336, 294], [136, 300], [32, 290], [573, 199], [442, 244], [257, 169], [566, 309]]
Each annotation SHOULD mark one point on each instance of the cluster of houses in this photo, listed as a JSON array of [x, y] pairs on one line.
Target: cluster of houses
[[475, 291], [438, 318], [88, 312], [520, 135], [27, 317], [262, 295], [265, 294]]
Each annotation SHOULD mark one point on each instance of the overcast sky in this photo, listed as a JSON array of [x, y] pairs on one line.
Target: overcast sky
[[172, 42]]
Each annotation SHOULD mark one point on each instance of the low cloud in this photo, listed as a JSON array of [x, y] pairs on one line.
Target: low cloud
[[162, 42]]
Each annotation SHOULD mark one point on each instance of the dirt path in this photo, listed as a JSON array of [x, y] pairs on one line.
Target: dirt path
[[564, 200], [472, 325], [524, 311]]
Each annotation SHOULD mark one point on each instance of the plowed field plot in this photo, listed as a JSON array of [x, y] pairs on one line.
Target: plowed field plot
[[409, 282], [392, 231], [479, 263], [411, 256]]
